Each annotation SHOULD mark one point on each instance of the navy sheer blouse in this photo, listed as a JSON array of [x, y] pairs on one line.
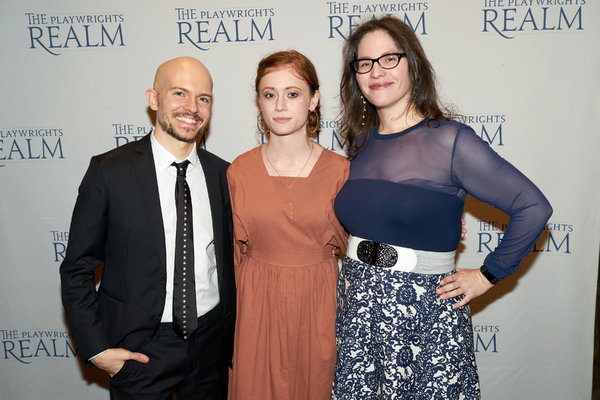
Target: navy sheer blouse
[[409, 188]]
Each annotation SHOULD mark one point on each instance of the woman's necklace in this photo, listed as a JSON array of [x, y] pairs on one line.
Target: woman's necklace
[[291, 184]]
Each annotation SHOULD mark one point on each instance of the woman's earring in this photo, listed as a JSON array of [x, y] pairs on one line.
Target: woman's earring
[[364, 113], [260, 124]]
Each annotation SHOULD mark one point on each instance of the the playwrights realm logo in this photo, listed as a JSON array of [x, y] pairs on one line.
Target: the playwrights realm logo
[[30, 144], [58, 33], [555, 239], [28, 346], [204, 28], [509, 18], [344, 16]]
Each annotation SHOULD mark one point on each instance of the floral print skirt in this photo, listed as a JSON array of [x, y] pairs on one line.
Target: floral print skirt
[[397, 340]]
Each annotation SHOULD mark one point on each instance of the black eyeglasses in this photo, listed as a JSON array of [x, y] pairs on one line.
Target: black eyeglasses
[[386, 61]]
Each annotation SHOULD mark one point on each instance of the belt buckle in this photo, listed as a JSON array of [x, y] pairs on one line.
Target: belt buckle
[[378, 254]]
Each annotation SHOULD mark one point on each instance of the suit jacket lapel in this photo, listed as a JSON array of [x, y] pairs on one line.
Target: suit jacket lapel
[[145, 172]]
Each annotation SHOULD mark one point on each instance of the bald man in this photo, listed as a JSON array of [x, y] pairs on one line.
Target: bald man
[[125, 217]]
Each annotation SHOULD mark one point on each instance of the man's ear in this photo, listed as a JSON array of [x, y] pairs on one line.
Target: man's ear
[[151, 96]]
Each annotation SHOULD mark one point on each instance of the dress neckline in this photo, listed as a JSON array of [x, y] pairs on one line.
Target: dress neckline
[[375, 131], [266, 171]]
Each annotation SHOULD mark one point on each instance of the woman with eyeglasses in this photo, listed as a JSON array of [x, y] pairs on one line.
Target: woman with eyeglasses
[[286, 240], [403, 324]]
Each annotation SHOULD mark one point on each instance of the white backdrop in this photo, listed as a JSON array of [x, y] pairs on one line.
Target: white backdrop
[[524, 73]]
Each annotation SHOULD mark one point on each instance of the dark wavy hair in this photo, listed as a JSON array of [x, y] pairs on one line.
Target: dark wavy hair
[[304, 69], [423, 97]]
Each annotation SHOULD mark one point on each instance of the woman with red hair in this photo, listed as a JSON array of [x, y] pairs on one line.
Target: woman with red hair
[[286, 240]]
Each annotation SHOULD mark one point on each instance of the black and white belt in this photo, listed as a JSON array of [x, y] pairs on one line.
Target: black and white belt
[[398, 258]]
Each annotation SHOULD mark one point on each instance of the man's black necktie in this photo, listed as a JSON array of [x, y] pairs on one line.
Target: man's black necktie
[[185, 318]]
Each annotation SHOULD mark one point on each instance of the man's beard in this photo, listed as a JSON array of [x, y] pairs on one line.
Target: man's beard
[[167, 127]]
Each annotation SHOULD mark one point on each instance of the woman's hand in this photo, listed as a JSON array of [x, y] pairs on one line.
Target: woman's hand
[[465, 281]]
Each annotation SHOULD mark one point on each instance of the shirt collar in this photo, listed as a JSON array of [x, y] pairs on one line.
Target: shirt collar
[[163, 158]]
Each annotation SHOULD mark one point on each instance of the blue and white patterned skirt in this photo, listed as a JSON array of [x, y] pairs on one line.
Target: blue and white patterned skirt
[[397, 340]]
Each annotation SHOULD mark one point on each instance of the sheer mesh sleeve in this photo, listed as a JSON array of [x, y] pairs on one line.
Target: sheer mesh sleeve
[[490, 178]]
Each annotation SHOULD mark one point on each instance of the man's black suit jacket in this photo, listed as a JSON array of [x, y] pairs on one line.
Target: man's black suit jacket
[[117, 221]]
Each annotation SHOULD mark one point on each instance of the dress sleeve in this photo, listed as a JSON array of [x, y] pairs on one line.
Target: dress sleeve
[[488, 177], [340, 236], [240, 236]]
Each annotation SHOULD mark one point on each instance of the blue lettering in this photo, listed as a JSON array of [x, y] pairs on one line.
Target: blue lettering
[[529, 18], [59, 251], [142, 129], [67, 348], [508, 18], [14, 148], [486, 22], [237, 31], [37, 39], [253, 27], [52, 36], [221, 31], [201, 31], [23, 353], [87, 37], [71, 36], [333, 27], [121, 140], [41, 346], [557, 248], [551, 241], [485, 238], [189, 29], [545, 27], [486, 137], [24, 345], [414, 28], [353, 22], [6, 344], [112, 40], [55, 354], [30, 155], [45, 147], [563, 16], [336, 23], [335, 138], [491, 343]]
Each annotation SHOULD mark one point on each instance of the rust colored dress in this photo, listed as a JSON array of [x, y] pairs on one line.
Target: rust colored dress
[[286, 278]]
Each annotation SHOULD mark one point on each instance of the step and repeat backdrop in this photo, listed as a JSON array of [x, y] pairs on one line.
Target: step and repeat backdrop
[[525, 74]]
